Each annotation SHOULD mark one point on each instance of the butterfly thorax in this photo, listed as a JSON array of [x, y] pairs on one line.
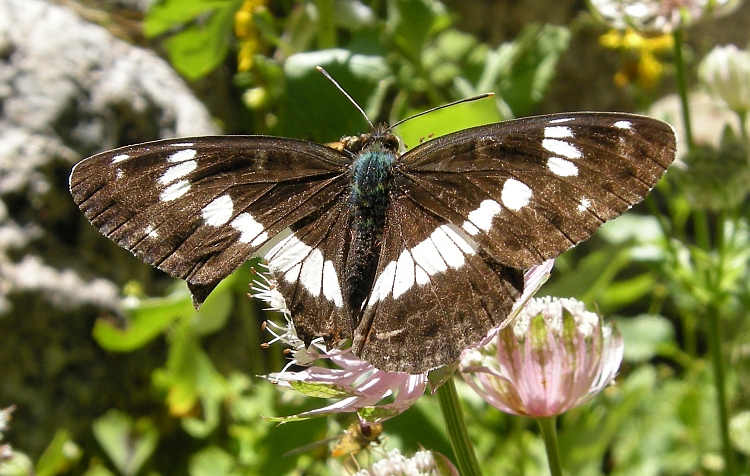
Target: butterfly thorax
[[371, 186]]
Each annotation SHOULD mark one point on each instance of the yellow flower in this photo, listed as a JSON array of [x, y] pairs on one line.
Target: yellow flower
[[245, 30], [641, 64]]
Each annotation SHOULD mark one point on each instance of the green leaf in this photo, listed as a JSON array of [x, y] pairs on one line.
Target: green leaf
[[412, 23], [127, 444], [169, 14], [97, 468], [189, 377], [537, 51], [444, 121], [644, 335], [592, 275], [213, 461], [320, 390], [619, 294], [213, 314], [146, 320], [204, 32], [59, 456], [314, 109], [199, 49]]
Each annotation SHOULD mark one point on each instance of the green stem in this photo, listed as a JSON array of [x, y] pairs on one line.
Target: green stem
[[743, 125], [682, 86], [702, 229], [549, 435], [326, 30], [714, 344], [450, 406]]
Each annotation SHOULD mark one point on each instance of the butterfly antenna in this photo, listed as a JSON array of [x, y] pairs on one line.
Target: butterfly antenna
[[330, 78], [473, 98]]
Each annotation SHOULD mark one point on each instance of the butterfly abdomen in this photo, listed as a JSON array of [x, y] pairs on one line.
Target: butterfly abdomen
[[371, 184]]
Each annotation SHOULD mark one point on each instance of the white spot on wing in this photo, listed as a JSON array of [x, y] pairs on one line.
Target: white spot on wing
[[584, 204], [428, 258], [150, 232], [300, 262], [183, 144], [562, 167], [448, 249], [557, 132], [175, 191], [515, 195], [481, 218], [561, 147], [331, 289], [421, 276], [561, 120], [311, 275], [446, 246], [219, 211], [177, 172], [461, 239], [182, 155], [623, 124], [292, 274], [384, 283], [404, 278], [250, 230], [470, 228], [119, 158]]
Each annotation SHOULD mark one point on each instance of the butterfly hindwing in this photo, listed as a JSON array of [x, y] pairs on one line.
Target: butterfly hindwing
[[197, 208], [528, 189], [307, 262], [435, 293]]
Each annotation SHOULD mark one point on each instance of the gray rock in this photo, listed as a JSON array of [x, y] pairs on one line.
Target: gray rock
[[69, 89]]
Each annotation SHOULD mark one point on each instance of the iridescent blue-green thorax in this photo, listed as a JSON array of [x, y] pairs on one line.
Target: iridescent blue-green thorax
[[372, 176], [371, 189]]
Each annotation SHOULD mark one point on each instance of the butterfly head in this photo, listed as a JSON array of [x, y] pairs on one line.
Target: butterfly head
[[381, 138]]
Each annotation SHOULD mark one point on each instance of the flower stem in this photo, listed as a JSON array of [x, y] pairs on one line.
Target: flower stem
[[714, 344], [682, 86], [450, 406], [549, 435]]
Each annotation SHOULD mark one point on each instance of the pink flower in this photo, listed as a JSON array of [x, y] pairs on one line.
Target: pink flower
[[555, 356], [375, 395], [360, 387], [662, 16]]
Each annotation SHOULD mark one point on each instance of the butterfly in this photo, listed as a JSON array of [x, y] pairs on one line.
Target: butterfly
[[413, 256]]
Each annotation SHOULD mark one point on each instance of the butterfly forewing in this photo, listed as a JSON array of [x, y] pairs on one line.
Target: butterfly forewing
[[197, 208], [528, 189]]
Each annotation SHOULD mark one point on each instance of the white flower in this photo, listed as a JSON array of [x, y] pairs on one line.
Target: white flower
[[421, 464], [725, 73]]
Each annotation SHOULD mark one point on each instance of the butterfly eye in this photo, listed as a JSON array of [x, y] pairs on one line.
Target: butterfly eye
[[391, 142], [354, 144]]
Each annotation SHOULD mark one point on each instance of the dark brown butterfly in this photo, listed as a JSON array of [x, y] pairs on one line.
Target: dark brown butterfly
[[412, 256]]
